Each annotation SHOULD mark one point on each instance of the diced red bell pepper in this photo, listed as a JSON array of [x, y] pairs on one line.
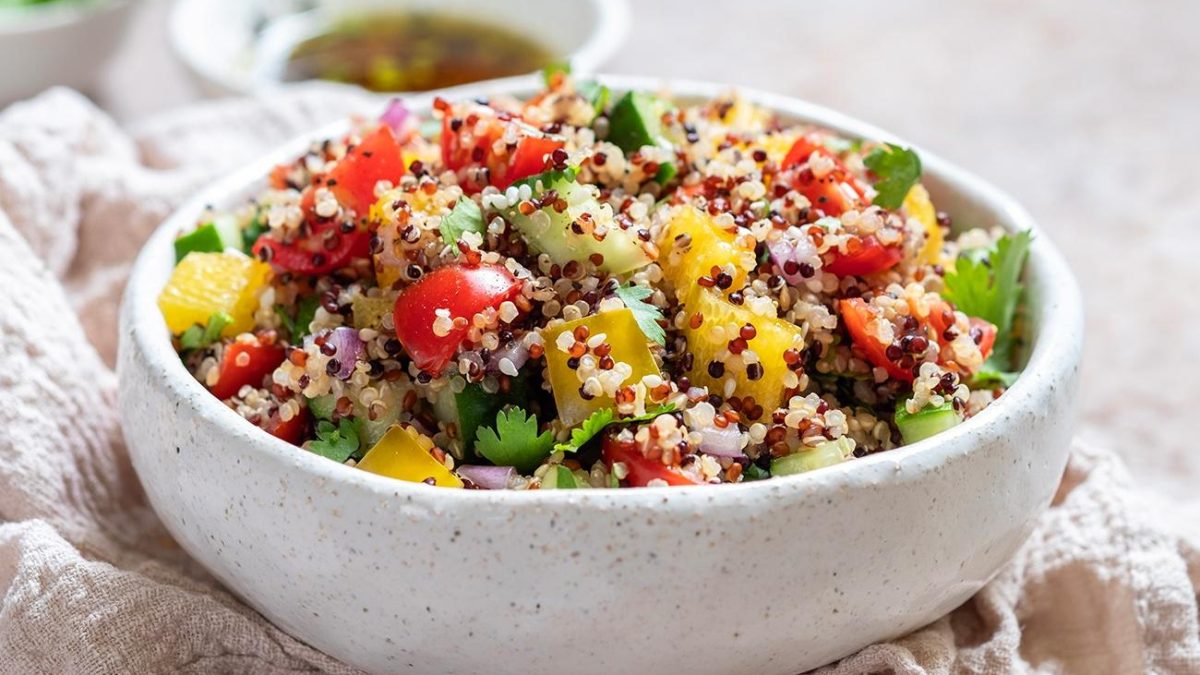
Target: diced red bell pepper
[[641, 469], [247, 362]]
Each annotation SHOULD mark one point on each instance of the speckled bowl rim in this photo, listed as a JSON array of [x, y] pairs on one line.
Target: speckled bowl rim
[[1056, 347]]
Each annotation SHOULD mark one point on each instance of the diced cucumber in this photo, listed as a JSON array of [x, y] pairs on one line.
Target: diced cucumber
[[473, 408], [549, 231], [825, 454], [925, 422], [636, 121], [321, 407], [371, 430], [214, 237]]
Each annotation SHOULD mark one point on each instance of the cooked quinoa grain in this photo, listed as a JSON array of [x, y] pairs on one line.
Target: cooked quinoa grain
[[590, 291]]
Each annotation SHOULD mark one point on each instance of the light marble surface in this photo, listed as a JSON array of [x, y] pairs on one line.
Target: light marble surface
[[1086, 112]]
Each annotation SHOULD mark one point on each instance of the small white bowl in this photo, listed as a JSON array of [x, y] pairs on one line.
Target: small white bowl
[[222, 41], [774, 576], [60, 43]]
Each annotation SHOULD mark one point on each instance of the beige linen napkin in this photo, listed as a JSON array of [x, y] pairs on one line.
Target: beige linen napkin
[[93, 584]]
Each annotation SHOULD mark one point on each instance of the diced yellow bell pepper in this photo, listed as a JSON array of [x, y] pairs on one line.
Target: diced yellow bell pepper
[[403, 453], [369, 311], [721, 323], [203, 284], [918, 205], [627, 345], [709, 246]]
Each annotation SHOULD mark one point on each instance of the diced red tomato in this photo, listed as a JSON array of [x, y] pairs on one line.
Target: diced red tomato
[[870, 257], [247, 362], [468, 140], [941, 317], [462, 289], [353, 178], [856, 315], [531, 157], [987, 335], [642, 469], [833, 193], [292, 431], [325, 249]]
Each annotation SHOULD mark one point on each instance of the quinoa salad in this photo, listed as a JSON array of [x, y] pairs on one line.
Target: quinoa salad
[[595, 289]]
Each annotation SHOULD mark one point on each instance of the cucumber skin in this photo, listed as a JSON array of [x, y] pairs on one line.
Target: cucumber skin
[[621, 252], [632, 123], [820, 456], [926, 422]]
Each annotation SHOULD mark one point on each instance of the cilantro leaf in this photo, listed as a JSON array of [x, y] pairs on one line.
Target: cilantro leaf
[[595, 423], [198, 338], [464, 217], [336, 443], [990, 288], [644, 313], [297, 326], [515, 441], [898, 169], [552, 70]]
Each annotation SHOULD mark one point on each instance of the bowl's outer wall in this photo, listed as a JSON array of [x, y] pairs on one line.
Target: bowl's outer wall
[[772, 577]]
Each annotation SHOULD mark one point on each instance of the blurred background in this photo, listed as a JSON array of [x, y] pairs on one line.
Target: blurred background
[[1085, 112]]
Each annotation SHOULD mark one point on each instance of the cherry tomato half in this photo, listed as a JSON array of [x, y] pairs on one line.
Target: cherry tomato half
[[462, 289]]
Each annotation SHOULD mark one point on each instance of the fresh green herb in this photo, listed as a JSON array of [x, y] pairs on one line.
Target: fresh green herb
[[322, 407], [988, 377], [990, 289], [564, 479], [515, 441], [338, 443], [898, 169], [646, 315], [595, 423], [464, 217], [199, 338], [253, 231], [552, 70], [297, 326], [595, 92], [755, 472]]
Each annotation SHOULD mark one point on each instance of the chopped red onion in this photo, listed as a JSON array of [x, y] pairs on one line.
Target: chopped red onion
[[487, 477], [396, 116], [785, 250], [722, 442], [350, 349], [515, 352]]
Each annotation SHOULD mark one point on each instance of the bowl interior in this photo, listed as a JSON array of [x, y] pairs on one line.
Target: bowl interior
[[1052, 311]]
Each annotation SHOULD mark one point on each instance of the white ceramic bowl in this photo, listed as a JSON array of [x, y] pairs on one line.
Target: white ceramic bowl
[[60, 43], [775, 576], [222, 41]]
